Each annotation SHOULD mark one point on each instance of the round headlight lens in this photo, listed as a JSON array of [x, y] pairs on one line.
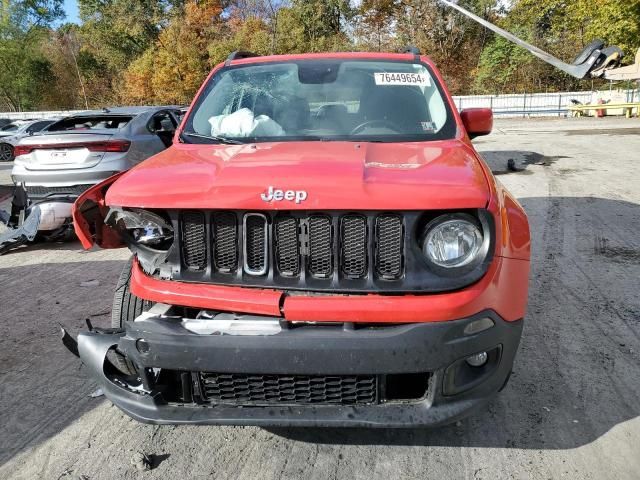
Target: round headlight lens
[[452, 243]]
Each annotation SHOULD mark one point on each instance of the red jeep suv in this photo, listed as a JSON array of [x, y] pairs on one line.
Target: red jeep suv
[[321, 245]]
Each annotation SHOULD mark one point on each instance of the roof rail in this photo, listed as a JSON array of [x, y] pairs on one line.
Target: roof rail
[[411, 49], [237, 55]]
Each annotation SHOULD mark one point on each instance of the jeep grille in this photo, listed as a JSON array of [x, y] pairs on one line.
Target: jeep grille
[[294, 245]]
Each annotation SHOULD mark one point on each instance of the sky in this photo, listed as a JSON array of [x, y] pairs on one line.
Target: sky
[[71, 9]]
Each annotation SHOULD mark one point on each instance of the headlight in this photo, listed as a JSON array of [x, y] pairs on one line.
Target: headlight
[[452, 241], [144, 227]]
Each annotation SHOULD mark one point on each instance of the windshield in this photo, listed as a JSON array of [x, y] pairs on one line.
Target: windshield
[[357, 100]]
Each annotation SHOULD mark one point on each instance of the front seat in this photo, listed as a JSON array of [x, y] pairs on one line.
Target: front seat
[[402, 106]]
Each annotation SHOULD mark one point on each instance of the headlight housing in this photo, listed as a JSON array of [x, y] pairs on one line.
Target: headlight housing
[[143, 227], [454, 241]]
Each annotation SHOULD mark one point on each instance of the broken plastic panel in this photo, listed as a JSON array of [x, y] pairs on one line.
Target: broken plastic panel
[[630, 72], [216, 323], [88, 213], [13, 238]]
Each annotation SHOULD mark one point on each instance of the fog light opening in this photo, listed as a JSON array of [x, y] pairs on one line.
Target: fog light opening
[[143, 346], [477, 360]]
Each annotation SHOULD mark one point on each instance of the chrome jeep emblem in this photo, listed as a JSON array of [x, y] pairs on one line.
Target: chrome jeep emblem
[[279, 195]]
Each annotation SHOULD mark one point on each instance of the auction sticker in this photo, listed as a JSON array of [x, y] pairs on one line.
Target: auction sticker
[[389, 78]]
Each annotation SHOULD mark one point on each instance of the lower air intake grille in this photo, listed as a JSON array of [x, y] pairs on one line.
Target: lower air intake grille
[[247, 389], [194, 243]]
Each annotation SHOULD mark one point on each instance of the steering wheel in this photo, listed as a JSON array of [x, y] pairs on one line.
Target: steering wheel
[[369, 123]]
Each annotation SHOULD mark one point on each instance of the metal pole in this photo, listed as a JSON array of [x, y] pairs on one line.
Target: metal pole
[[559, 104]]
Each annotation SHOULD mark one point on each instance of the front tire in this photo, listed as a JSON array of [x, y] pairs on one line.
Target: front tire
[[126, 307]]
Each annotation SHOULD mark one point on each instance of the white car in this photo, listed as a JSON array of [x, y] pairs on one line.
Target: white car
[[11, 133]]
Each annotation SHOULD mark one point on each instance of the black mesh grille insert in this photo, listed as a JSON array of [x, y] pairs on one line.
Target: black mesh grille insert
[[40, 191], [255, 244], [389, 246], [243, 389], [287, 246], [354, 245], [194, 243], [225, 242], [320, 246]]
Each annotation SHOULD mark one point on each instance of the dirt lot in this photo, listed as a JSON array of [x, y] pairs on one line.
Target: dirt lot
[[571, 409]]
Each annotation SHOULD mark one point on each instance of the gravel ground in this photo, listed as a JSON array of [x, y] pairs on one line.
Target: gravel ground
[[571, 409]]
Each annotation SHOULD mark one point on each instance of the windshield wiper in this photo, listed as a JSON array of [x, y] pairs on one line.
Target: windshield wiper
[[217, 138]]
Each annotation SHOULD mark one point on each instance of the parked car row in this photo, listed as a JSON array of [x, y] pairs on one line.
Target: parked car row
[[11, 133]]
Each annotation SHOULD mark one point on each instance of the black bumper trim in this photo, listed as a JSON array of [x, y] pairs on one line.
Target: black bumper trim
[[425, 347]]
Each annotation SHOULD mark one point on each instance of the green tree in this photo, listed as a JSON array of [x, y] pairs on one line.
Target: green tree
[[323, 23], [374, 24], [24, 69], [174, 66]]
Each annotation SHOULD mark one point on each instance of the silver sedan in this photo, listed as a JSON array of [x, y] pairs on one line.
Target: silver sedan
[[81, 150]]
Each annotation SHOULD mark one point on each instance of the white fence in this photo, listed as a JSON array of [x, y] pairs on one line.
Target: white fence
[[519, 105], [539, 104], [35, 115]]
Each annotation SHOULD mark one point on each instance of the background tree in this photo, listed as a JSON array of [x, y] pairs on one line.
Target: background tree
[[24, 69], [374, 24], [174, 65]]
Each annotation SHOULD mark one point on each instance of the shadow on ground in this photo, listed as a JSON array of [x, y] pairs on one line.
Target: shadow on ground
[[503, 162], [43, 388]]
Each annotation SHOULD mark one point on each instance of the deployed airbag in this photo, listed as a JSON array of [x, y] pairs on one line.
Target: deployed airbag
[[243, 123], [54, 215]]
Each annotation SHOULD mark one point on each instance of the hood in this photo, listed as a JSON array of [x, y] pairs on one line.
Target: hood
[[308, 176]]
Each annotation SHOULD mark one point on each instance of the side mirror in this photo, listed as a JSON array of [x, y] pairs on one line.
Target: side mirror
[[477, 121]]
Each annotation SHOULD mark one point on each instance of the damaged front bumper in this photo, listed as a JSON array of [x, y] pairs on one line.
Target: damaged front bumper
[[308, 375]]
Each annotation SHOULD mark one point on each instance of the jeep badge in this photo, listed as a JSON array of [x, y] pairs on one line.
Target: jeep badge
[[279, 195]]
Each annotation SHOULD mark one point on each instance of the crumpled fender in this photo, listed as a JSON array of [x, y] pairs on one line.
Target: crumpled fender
[[89, 212]]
